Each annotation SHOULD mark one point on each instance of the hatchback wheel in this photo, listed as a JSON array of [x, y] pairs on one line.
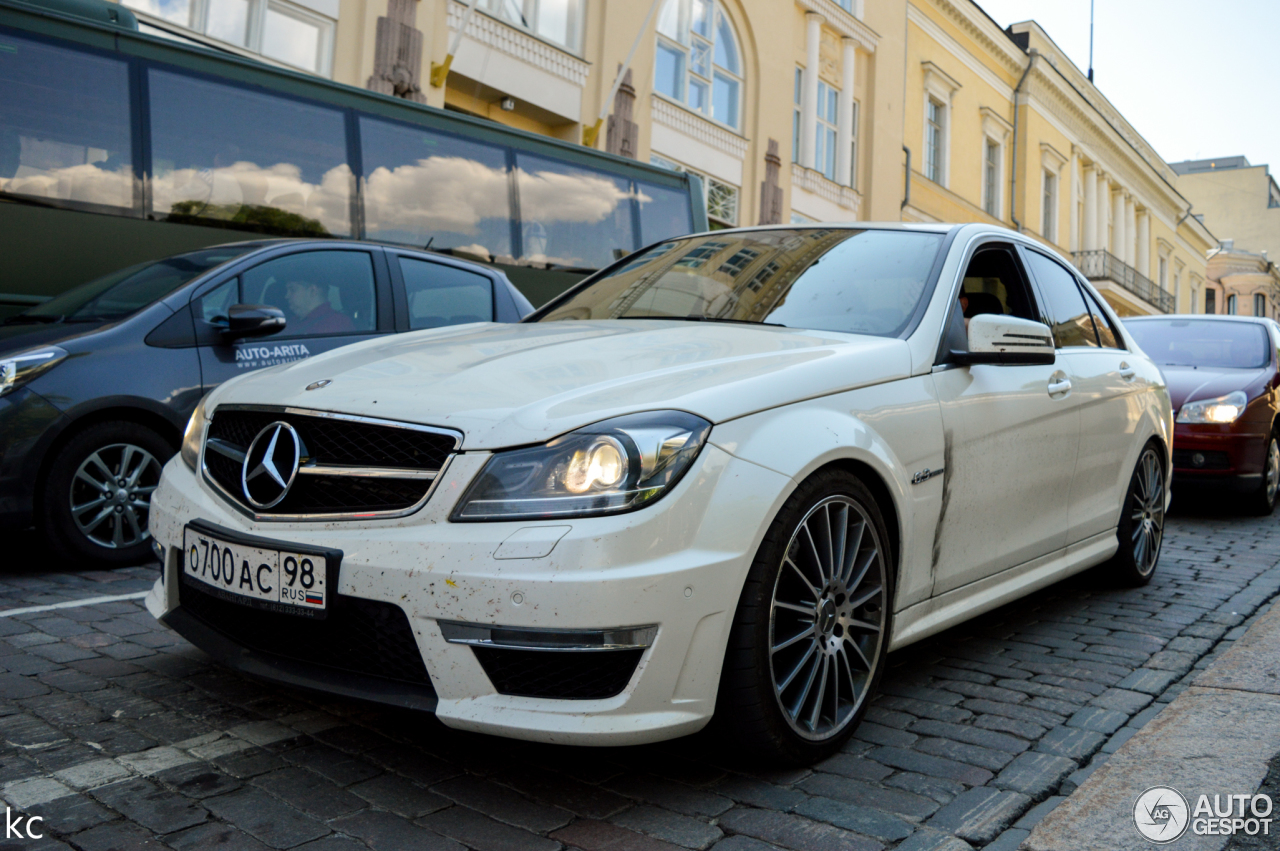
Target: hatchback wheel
[[96, 498], [1141, 527], [1263, 500], [812, 627]]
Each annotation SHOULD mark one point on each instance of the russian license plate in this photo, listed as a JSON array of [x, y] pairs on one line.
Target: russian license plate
[[258, 576]]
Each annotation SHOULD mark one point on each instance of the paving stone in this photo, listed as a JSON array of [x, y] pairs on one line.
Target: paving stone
[[864, 820], [580, 798], [1097, 719], [979, 815], [503, 804], [682, 799], [198, 780], [310, 793], [386, 831], [1008, 841], [71, 814], [987, 758], [1035, 774], [13, 686], [1148, 681], [1001, 724], [865, 794], [1072, 742], [857, 767], [117, 836], [339, 766], [931, 765], [923, 709], [969, 735], [927, 839], [591, 835], [880, 735], [793, 831], [1117, 741], [757, 793], [266, 819], [222, 837], [934, 788], [151, 805], [670, 827], [399, 795], [1045, 718], [1039, 811]]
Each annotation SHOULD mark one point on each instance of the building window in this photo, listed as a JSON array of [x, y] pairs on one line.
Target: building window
[[935, 118], [558, 21], [1210, 301], [273, 28], [698, 62], [1049, 216], [801, 219], [1259, 304], [795, 117], [1195, 299], [828, 114], [1231, 305], [722, 198], [1164, 274], [991, 179], [853, 145]]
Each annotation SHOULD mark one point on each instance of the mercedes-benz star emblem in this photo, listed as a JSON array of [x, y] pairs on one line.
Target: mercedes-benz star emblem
[[270, 465]]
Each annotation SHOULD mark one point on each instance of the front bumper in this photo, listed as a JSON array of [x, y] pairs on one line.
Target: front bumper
[[678, 564], [1215, 455], [27, 427]]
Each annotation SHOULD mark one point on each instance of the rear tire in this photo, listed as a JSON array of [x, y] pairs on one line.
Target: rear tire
[[1262, 501], [96, 500], [1141, 527], [811, 632]]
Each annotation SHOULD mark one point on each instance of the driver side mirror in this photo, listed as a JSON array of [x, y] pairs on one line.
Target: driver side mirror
[[994, 338], [253, 320]]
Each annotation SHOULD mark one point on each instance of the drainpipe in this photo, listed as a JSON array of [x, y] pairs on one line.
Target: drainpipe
[[906, 191], [1013, 179]]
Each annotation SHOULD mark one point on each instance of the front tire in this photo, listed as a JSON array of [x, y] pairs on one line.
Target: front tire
[[96, 498], [1141, 527], [811, 632], [1262, 501]]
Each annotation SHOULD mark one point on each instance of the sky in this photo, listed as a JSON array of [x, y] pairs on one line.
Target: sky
[[1195, 79]]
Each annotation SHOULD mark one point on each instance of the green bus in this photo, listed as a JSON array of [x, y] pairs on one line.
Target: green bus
[[117, 147]]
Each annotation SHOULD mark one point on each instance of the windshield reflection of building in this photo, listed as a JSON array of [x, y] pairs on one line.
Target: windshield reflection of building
[[737, 277]]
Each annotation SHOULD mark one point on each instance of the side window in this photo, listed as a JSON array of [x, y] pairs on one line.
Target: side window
[[440, 295], [211, 308], [1064, 308], [320, 292], [993, 283], [1108, 336]]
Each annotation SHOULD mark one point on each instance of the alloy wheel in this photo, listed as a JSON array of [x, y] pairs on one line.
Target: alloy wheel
[[827, 618], [1147, 512], [1273, 469], [111, 495]]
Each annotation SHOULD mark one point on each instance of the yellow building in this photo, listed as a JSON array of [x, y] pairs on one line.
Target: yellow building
[[1003, 127], [811, 110], [1241, 283]]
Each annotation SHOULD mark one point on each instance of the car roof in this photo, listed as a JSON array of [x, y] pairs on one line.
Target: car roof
[[1199, 317]]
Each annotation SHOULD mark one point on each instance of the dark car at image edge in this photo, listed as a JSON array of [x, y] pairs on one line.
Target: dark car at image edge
[[97, 384]]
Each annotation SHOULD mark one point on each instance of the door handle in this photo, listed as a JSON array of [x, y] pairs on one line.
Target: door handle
[[1059, 387], [1126, 371]]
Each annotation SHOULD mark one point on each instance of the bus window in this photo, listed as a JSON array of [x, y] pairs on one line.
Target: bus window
[[572, 216], [664, 212], [422, 186], [441, 295], [222, 153], [64, 133]]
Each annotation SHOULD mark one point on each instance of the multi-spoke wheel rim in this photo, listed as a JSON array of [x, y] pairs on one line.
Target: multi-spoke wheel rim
[[1273, 469], [827, 618], [111, 495], [1147, 512]]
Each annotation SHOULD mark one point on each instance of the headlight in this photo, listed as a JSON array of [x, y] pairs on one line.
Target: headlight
[[193, 435], [1224, 409], [19, 369], [606, 468]]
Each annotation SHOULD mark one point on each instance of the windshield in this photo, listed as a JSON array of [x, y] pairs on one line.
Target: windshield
[[1203, 342], [121, 293], [825, 279]]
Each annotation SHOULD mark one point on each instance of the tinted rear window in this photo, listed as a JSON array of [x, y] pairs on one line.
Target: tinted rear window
[[1205, 342]]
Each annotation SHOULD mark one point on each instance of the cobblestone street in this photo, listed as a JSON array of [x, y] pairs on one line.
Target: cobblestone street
[[121, 735]]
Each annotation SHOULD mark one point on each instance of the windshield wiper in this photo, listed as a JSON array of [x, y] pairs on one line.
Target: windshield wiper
[[33, 319], [707, 319]]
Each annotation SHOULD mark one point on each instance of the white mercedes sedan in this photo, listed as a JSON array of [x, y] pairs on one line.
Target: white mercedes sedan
[[717, 481]]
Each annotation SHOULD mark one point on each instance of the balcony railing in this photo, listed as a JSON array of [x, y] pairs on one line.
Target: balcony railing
[[1102, 265]]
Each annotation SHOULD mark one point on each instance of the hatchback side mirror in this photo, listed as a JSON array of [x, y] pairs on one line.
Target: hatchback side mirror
[[253, 320], [994, 338]]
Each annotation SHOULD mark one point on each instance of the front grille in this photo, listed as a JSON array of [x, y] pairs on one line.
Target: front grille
[[561, 675], [359, 636], [332, 442], [1185, 459]]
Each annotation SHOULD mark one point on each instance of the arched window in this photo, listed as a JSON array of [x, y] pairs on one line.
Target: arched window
[[698, 62]]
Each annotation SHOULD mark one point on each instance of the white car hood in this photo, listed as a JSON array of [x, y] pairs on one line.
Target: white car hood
[[507, 385]]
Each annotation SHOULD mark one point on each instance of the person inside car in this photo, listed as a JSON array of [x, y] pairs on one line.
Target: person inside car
[[314, 313]]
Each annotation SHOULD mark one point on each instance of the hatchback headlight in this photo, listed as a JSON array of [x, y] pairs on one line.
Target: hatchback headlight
[[1224, 409], [193, 435], [17, 370], [607, 468]]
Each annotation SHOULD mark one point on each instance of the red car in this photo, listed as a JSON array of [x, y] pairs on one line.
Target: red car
[[1223, 382]]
